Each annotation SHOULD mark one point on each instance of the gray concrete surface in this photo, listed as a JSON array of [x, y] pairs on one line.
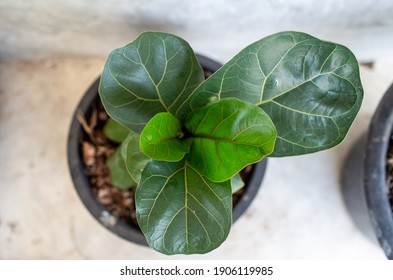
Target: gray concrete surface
[[298, 214]]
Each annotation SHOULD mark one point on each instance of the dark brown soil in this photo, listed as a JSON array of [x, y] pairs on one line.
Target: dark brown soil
[[389, 172], [96, 149]]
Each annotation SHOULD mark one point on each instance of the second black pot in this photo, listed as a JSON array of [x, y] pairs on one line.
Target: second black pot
[[364, 178]]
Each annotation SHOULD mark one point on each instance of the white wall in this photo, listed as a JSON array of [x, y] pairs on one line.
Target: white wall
[[220, 28]]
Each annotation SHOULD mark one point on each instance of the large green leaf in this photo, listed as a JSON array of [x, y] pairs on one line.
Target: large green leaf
[[135, 160], [227, 136], [119, 175], [161, 138], [155, 73], [310, 88], [180, 211]]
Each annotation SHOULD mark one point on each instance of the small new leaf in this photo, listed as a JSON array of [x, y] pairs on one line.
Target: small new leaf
[[161, 139], [181, 212], [236, 183], [227, 136], [115, 131], [135, 160], [119, 175]]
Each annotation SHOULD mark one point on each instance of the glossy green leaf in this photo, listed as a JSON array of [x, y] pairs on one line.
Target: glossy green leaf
[[310, 88], [115, 131], [227, 136], [119, 175], [236, 183], [161, 139], [180, 211], [135, 160], [155, 73]]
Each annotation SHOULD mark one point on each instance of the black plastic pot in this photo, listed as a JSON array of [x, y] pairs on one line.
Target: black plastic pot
[[84, 187], [364, 178]]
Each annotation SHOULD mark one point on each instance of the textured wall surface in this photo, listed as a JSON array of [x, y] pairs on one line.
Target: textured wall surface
[[41, 28]]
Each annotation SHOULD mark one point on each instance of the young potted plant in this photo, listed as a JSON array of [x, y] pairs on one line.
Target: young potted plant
[[287, 94], [102, 181], [368, 178]]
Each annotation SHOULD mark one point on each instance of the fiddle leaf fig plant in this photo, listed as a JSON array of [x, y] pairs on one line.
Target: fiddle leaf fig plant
[[188, 137]]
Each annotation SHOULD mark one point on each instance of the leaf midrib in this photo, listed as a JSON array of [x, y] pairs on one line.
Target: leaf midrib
[[230, 141], [186, 208]]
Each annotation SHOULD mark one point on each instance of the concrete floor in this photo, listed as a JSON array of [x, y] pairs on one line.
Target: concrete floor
[[298, 214]]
